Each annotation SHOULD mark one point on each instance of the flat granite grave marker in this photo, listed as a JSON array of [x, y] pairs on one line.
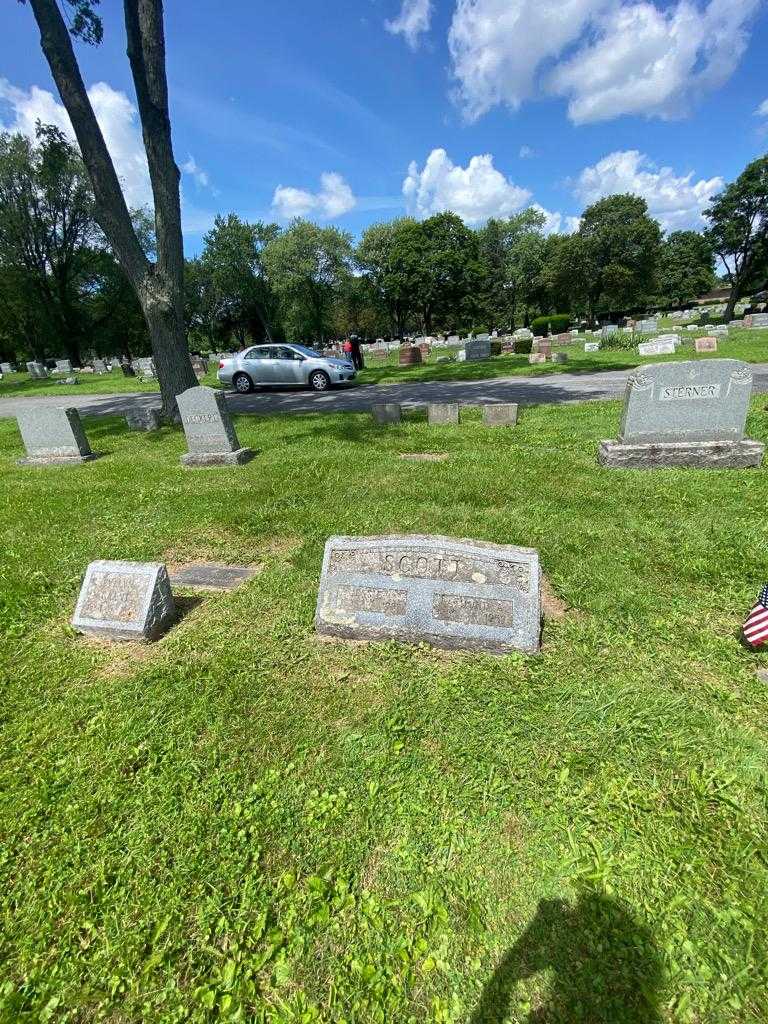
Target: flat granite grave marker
[[500, 414], [386, 412], [450, 593], [209, 576], [53, 437], [211, 437], [440, 414], [657, 348], [125, 601], [689, 414]]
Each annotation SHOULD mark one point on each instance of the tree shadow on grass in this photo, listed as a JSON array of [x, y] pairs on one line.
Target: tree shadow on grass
[[606, 967]]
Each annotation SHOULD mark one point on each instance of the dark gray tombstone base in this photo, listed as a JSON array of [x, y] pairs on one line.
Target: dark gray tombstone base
[[199, 460], [744, 454], [58, 460]]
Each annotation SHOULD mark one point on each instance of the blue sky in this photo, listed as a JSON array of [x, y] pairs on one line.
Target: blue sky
[[351, 112]]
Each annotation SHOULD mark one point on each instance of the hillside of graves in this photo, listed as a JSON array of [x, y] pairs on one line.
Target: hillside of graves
[[246, 821]]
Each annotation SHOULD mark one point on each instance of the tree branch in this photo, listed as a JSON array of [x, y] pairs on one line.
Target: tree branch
[[111, 209]]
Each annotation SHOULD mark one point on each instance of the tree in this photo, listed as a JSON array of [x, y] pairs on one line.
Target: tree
[[512, 252], [738, 230], [391, 256], [239, 292], [686, 267], [159, 286], [619, 248], [451, 272], [48, 237], [307, 265]]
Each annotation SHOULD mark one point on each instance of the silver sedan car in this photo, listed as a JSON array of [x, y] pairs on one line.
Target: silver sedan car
[[281, 365]]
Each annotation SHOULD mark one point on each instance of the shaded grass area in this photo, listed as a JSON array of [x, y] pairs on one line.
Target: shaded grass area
[[21, 385], [243, 823]]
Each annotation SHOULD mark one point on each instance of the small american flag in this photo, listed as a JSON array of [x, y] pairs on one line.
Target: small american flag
[[756, 627]]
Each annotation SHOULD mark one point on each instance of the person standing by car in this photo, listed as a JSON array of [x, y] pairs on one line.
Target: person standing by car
[[347, 349], [357, 353]]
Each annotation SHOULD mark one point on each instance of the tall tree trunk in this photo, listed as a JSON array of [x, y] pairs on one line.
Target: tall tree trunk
[[733, 298], [159, 287]]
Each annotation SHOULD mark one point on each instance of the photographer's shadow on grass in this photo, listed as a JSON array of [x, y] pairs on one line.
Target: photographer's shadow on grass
[[604, 967]]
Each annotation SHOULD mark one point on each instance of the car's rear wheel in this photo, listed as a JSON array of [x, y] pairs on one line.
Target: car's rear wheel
[[242, 383], [319, 380]]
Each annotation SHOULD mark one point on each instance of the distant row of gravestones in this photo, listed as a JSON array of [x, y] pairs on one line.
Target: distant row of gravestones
[[686, 414], [141, 366]]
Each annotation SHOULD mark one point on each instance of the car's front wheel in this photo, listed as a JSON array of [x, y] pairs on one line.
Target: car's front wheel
[[319, 380], [242, 383]]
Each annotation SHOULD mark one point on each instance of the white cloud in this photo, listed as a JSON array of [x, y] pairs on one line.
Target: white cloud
[[475, 192], [676, 201], [555, 222], [413, 20], [334, 199], [607, 57], [527, 153], [762, 110], [116, 115], [193, 169]]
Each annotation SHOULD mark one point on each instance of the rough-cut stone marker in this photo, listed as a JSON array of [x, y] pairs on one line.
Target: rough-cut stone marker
[[386, 412], [53, 437], [706, 344], [500, 414], [211, 437], [208, 576], [143, 419], [449, 593], [441, 414], [125, 601], [537, 357], [689, 414]]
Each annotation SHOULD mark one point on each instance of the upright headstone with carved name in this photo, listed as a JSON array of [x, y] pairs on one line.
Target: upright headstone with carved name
[[53, 437], [63, 366], [211, 437], [37, 370], [478, 348], [427, 589], [688, 414], [125, 601]]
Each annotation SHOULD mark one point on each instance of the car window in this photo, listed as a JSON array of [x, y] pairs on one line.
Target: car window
[[287, 353], [262, 352]]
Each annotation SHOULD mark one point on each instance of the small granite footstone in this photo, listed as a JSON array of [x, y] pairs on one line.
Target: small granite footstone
[[500, 414], [210, 433], [53, 437], [207, 576], [125, 601], [143, 419], [454, 594], [386, 412], [685, 414], [443, 414]]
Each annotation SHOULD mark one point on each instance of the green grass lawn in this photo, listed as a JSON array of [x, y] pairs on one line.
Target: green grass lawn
[[21, 385], [243, 823]]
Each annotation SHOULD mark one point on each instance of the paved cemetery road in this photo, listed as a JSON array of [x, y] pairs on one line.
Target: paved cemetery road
[[550, 388]]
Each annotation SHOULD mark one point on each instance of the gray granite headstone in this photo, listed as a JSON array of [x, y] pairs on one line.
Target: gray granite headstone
[[427, 589], [37, 371], [441, 414], [386, 412], [99, 366], [500, 414], [209, 576], [6, 368], [211, 437], [608, 329], [477, 349], [758, 320], [53, 437], [143, 419], [591, 346], [63, 366], [685, 414], [558, 357], [125, 601], [145, 366]]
